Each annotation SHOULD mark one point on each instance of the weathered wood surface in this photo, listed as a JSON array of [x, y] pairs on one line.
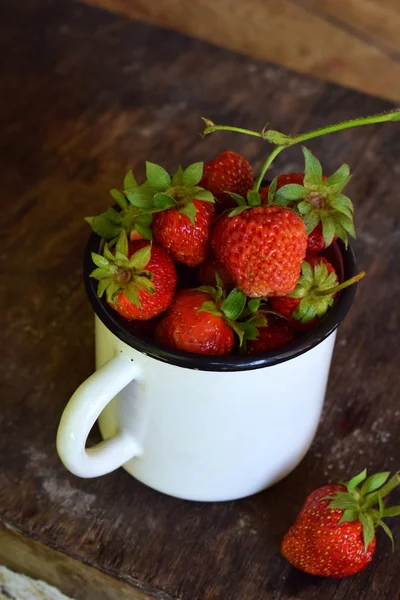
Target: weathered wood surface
[[85, 95], [355, 43]]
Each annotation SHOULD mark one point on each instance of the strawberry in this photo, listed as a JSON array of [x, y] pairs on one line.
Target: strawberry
[[204, 320], [139, 279], [187, 241], [334, 533], [327, 213], [228, 173], [274, 335], [315, 242], [314, 294], [262, 248], [208, 271]]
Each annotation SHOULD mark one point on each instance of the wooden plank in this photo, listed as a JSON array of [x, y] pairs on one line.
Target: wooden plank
[[100, 94], [354, 43]]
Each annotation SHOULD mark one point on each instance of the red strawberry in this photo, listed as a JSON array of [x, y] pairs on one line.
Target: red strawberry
[[275, 334], [334, 534], [204, 321], [229, 172], [182, 210], [187, 327], [315, 242], [208, 271], [139, 280], [262, 248], [313, 295], [187, 242]]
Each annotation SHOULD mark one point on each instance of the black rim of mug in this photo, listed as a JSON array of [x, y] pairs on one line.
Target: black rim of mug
[[345, 262]]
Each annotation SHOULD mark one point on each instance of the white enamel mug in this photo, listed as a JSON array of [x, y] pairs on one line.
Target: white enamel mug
[[196, 427]]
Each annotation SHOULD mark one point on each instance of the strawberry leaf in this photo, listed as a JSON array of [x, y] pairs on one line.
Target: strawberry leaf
[[140, 259], [338, 180], [100, 273], [238, 199], [142, 196], [312, 169], [145, 284], [104, 226], [103, 284], [392, 511], [272, 191], [177, 178], [374, 482], [311, 220], [157, 177], [368, 529], [349, 515], [122, 245], [304, 207], [204, 195], [253, 305], [237, 211], [112, 292], [211, 308], [144, 232], [290, 192], [190, 211], [234, 304], [99, 261], [343, 500], [130, 181], [108, 254], [131, 292], [250, 331], [356, 480], [119, 198], [164, 201], [193, 174], [328, 229], [144, 219]]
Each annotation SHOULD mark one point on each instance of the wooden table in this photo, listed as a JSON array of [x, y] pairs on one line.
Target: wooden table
[[85, 95], [355, 43]]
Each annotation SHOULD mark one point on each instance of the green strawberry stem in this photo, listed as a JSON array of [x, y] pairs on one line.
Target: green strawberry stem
[[341, 286], [282, 141]]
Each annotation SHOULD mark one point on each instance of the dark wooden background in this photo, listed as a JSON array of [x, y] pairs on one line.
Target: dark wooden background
[[83, 96]]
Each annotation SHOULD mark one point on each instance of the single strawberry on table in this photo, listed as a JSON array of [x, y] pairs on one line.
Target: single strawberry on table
[[261, 247], [334, 533], [139, 278], [227, 173], [313, 295]]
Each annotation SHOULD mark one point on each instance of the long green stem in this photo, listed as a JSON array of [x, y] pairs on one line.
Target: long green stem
[[391, 116], [282, 141], [338, 288], [266, 165]]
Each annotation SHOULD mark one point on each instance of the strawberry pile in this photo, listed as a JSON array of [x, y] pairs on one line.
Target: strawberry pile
[[256, 257]]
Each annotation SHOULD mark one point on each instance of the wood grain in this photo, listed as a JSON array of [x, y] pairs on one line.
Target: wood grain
[[355, 43], [85, 95]]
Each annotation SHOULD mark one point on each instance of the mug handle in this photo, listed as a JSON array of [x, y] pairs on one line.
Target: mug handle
[[81, 413]]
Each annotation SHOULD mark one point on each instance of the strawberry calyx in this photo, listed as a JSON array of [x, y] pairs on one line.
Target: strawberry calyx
[[129, 218], [242, 315], [116, 273], [160, 191], [252, 200], [319, 200], [316, 290], [363, 501]]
